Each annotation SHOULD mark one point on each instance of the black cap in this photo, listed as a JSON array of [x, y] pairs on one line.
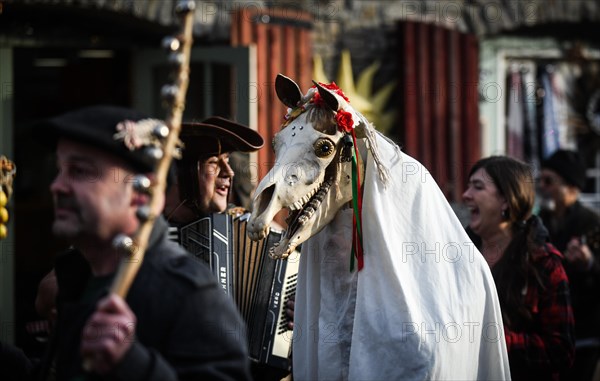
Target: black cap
[[107, 128], [217, 135], [569, 165]]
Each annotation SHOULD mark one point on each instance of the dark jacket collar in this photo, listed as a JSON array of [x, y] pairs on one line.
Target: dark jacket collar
[[73, 271]]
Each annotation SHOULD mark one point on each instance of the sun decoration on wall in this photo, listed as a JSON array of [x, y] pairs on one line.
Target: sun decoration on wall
[[361, 95]]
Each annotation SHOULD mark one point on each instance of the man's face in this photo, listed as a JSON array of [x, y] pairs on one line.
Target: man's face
[[551, 185], [91, 192], [214, 181]]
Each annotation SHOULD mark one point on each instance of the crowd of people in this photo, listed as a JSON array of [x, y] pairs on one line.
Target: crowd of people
[[545, 265], [176, 323]]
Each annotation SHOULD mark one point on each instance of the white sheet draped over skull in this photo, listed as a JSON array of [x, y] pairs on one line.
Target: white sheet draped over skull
[[425, 305]]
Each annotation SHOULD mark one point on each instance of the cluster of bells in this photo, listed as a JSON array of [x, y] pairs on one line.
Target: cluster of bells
[[123, 242], [3, 214], [169, 93], [175, 57], [7, 175]]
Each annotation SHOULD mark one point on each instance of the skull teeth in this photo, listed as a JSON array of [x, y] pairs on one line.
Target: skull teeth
[[310, 206], [300, 203]]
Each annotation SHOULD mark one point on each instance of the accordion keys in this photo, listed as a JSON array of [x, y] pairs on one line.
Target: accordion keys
[[259, 285]]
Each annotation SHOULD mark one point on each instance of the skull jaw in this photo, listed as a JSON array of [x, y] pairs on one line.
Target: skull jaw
[[282, 249], [326, 213], [337, 196]]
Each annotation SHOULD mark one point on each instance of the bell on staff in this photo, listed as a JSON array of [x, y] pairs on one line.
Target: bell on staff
[[161, 131], [154, 152], [169, 92], [170, 43], [175, 58], [143, 213], [123, 243], [142, 184], [184, 6]]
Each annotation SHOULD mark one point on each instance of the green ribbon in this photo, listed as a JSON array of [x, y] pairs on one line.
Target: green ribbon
[[357, 247]]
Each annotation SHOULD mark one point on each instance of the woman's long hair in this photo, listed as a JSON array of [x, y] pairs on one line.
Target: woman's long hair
[[515, 182]]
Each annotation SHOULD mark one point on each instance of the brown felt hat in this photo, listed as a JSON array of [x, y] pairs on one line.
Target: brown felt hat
[[217, 135], [212, 136]]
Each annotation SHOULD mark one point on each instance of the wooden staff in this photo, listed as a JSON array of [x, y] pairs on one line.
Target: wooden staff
[[174, 94]]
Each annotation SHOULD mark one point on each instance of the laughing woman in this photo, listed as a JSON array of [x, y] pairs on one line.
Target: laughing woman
[[532, 286]]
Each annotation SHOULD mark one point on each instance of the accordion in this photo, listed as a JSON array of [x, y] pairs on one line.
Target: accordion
[[259, 285]]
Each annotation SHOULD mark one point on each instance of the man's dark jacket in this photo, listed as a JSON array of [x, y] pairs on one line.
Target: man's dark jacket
[[580, 221]]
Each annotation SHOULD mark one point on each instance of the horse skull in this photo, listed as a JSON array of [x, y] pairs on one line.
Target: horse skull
[[308, 178]]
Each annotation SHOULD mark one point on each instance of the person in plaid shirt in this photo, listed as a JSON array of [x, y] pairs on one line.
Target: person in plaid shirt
[[532, 284]]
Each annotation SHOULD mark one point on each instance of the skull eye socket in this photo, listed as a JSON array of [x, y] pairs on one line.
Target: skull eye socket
[[324, 147]]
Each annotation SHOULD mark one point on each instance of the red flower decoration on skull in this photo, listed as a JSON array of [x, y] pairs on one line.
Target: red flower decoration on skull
[[318, 100], [344, 121]]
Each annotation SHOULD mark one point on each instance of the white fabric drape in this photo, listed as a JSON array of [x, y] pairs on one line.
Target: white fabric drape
[[425, 305]]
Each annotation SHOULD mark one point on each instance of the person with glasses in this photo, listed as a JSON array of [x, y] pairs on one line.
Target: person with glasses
[[204, 176], [203, 185], [575, 231], [532, 285]]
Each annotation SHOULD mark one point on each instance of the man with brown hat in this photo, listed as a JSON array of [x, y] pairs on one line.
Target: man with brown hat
[[575, 231], [203, 187], [175, 322], [204, 176]]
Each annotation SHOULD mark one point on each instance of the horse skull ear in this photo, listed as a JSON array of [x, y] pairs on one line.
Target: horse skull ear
[[330, 99], [287, 91], [361, 130]]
